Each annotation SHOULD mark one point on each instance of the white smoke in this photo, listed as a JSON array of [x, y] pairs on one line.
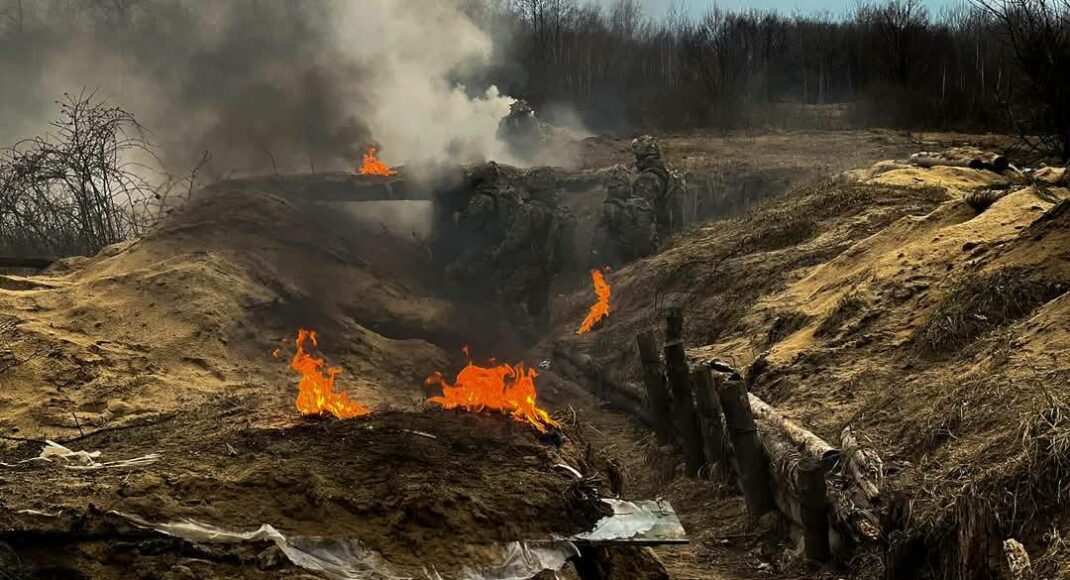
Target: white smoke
[[413, 108], [275, 86]]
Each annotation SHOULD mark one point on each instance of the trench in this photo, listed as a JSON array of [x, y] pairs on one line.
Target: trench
[[239, 458]]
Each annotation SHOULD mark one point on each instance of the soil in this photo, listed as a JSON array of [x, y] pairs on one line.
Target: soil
[[163, 345]]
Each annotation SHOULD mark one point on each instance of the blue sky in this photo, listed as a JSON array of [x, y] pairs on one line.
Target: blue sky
[[657, 8]]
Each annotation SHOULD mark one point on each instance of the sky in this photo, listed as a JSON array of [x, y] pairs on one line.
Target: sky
[[696, 8]]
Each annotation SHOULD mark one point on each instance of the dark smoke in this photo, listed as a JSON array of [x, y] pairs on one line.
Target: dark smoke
[[262, 85]]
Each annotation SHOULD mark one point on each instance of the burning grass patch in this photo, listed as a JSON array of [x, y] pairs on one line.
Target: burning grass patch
[[979, 304]]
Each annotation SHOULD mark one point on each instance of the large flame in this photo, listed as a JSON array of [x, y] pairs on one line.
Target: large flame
[[372, 165], [505, 388], [316, 394], [600, 310]]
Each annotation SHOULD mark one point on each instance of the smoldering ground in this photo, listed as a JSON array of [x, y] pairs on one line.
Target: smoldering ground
[[263, 86]]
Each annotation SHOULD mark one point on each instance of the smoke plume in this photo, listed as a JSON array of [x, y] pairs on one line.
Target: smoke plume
[[279, 85]]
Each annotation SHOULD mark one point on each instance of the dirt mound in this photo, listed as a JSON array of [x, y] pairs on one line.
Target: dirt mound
[[163, 345], [883, 301], [424, 489]]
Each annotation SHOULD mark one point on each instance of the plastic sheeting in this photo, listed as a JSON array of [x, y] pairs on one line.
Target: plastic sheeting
[[53, 452], [349, 559]]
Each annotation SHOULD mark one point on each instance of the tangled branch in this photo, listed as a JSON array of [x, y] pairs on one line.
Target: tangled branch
[[82, 187]]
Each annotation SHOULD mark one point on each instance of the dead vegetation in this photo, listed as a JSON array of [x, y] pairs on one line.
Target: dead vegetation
[[847, 307], [93, 181], [980, 303]]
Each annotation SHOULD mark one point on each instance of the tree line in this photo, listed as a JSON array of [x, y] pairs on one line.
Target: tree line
[[990, 65]]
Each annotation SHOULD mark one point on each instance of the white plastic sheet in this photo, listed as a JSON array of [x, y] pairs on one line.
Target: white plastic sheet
[[55, 453], [349, 559]]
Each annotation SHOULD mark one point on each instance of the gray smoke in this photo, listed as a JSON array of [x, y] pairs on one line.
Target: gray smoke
[[263, 85]]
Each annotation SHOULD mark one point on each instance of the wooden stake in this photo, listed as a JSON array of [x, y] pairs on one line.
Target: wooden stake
[[657, 393], [750, 459], [974, 540], [683, 401], [709, 414], [814, 509]]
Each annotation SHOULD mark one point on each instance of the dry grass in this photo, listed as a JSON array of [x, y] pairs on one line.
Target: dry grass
[[979, 304], [784, 325], [846, 308]]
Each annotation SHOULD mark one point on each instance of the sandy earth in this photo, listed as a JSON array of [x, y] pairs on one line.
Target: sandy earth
[[163, 344]]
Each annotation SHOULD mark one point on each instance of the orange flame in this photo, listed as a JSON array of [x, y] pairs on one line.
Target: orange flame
[[505, 388], [600, 310], [316, 394], [372, 165]]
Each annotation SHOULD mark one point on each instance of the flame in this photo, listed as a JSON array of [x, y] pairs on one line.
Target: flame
[[316, 394], [372, 165], [505, 388], [600, 310]]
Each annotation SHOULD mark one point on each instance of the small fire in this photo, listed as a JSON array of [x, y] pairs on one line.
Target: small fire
[[316, 394], [505, 388], [372, 165], [600, 310]]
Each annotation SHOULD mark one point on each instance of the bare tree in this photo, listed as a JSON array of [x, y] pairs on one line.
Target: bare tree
[[1038, 32], [82, 187]]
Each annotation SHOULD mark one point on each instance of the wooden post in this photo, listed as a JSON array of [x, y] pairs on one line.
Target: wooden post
[[974, 540], [657, 393], [683, 401], [709, 415], [814, 509], [751, 464]]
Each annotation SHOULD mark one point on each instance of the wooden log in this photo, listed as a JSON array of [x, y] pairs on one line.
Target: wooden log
[[659, 404], [784, 459], [711, 420], [683, 401], [811, 444], [928, 161], [750, 459], [970, 157], [861, 465], [814, 507], [799, 490]]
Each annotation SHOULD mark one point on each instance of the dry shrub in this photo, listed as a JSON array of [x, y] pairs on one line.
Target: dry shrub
[[981, 303], [784, 325], [93, 181], [846, 308]]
